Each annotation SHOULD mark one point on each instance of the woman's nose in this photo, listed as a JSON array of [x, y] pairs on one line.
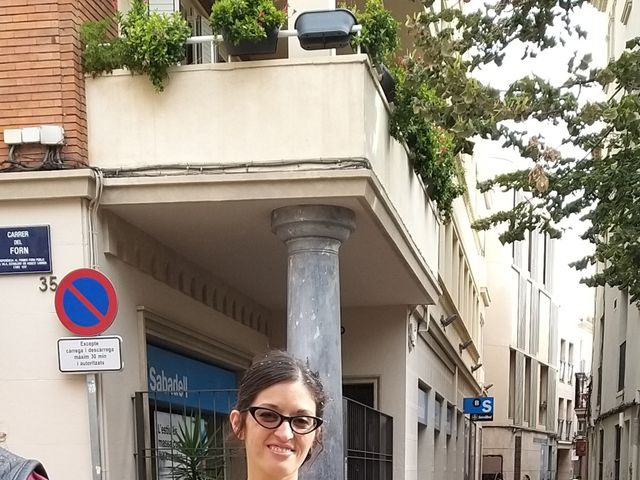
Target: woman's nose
[[284, 431]]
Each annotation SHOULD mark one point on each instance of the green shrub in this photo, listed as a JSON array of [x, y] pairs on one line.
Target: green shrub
[[431, 147], [379, 35], [240, 20], [150, 44]]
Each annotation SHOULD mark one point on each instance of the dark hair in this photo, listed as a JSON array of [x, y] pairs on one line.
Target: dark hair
[[277, 366]]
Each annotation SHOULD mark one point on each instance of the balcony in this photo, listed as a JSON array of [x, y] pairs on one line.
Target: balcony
[[231, 141], [564, 430]]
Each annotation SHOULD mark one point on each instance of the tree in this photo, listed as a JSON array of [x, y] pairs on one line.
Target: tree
[[602, 185]]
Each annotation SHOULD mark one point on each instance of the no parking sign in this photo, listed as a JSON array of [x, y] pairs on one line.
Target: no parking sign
[[86, 302]]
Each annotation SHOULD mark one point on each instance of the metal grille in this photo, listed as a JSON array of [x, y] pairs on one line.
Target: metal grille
[[162, 418], [184, 431], [368, 442]]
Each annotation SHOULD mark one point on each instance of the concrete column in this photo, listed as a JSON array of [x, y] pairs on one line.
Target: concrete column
[[313, 235]]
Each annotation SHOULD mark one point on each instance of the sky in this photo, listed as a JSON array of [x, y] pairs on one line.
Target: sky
[[575, 299]]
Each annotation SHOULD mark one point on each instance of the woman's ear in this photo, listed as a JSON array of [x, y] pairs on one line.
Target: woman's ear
[[235, 418]]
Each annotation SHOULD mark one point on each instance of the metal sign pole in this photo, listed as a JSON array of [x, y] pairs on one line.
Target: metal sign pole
[[94, 426]]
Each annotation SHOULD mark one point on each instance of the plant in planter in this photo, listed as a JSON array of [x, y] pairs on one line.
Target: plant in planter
[[379, 39], [150, 43], [379, 35], [155, 41], [247, 26], [194, 447], [102, 51], [431, 147]]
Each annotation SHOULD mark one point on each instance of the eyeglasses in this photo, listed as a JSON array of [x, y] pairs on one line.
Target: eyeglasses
[[300, 424]]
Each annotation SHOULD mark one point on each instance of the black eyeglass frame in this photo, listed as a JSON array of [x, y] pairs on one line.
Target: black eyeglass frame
[[283, 418]]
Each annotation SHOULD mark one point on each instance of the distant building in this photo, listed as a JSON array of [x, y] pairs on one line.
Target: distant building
[[614, 413]]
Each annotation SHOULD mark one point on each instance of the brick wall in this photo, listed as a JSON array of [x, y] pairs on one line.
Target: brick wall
[[41, 80]]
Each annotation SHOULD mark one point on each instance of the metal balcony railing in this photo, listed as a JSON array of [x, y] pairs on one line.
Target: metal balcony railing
[[568, 432], [162, 418], [211, 42]]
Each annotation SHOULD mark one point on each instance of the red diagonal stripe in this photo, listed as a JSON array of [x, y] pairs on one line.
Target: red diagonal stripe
[[86, 302]]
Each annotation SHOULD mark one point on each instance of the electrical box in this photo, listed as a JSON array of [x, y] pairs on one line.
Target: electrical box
[[51, 135], [13, 136], [31, 135]]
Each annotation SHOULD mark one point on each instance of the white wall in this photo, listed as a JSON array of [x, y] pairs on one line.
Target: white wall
[[43, 412]]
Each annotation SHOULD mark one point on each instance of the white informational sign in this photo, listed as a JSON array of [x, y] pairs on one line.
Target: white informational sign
[[167, 428], [90, 354]]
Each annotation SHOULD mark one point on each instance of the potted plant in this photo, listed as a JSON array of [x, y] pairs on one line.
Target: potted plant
[[379, 39], [379, 35], [194, 452], [247, 26], [150, 43]]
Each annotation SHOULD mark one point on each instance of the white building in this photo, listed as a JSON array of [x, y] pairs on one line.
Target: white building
[[614, 402], [534, 343], [206, 206]]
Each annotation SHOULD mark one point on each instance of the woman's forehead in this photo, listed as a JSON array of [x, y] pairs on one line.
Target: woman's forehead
[[291, 395]]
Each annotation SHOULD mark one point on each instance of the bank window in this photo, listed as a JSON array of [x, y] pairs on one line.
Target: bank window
[[187, 400]]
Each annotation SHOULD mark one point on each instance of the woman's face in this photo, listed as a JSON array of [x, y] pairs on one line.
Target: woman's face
[[276, 454]]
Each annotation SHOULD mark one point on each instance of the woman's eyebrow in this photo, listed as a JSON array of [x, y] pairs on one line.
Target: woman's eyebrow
[[301, 411]]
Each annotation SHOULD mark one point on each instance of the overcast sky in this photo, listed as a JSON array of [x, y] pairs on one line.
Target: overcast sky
[[575, 299]]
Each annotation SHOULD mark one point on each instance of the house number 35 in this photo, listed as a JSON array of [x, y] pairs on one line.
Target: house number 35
[[48, 283]]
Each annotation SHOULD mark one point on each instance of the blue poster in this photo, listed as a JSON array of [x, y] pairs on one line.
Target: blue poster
[[25, 250], [181, 382]]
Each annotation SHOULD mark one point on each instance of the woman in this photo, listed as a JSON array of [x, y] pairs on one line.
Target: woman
[[278, 415]]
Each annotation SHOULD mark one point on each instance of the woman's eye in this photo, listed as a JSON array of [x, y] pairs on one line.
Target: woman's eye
[[303, 422], [267, 416]]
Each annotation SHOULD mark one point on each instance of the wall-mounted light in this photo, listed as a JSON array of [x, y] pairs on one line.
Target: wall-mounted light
[[449, 320], [464, 345], [322, 29], [475, 367]]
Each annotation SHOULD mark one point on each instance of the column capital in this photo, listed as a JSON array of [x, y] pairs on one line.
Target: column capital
[[320, 221]]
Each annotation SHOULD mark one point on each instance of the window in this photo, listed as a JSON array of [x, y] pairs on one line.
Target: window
[[530, 252], [512, 383], [361, 391], [599, 392], [617, 457], [570, 364], [626, 12], [437, 417], [450, 412], [621, 365], [601, 455], [527, 389], [545, 279], [569, 418], [561, 418], [423, 405], [563, 365], [544, 384]]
